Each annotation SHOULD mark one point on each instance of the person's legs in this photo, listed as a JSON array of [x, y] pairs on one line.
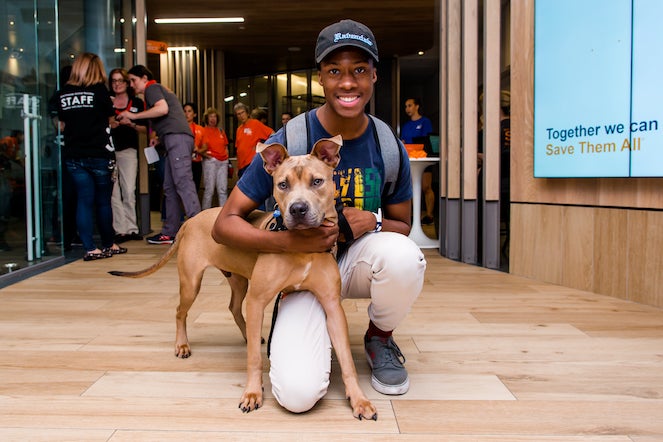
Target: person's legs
[[180, 147], [222, 182], [103, 188], [393, 281], [171, 223], [300, 357], [429, 196], [127, 164], [85, 188], [209, 177]]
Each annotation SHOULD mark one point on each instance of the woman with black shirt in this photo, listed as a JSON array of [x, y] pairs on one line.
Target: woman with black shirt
[[84, 112]]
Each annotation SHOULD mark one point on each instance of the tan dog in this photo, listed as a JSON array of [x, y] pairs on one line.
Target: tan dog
[[306, 201]]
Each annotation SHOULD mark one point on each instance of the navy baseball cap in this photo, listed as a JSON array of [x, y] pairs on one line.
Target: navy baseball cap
[[345, 33]]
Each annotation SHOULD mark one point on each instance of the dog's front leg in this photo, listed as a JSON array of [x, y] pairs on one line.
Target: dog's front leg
[[337, 326], [253, 395]]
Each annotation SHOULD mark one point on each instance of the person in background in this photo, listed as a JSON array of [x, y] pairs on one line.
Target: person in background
[[249, 132], [85, 111], [215, 161], [285, 117], [380, 262], [260, 115], [169, 122], [125, 139], [191, 113], [420, 126]]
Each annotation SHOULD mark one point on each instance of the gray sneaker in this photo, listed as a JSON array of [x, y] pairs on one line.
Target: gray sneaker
[[386, 361]]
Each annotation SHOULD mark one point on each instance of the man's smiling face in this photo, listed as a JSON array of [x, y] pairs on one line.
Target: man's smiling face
[[347, 76]]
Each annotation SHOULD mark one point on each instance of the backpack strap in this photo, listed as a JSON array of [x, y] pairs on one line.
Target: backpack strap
[[389, 146], [295, 141]]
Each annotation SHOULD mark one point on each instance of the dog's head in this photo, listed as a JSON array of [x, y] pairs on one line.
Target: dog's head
[[303, 184]]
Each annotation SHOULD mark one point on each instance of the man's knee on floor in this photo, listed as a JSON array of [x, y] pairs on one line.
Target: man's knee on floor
[[299, 395]]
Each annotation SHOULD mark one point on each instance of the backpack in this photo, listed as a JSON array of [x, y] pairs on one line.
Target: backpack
[[388, 144]]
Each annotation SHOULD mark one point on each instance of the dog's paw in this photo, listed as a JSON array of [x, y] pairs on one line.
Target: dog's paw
[[183, 351], [250, 402], [364, 409]]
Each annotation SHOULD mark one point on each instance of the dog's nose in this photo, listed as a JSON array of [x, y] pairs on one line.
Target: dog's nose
[[299, 209]]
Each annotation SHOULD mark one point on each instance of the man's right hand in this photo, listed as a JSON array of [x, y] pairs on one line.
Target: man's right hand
[[319, 239]]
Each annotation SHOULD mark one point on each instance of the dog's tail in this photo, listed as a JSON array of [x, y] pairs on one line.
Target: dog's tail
[[154, 267]]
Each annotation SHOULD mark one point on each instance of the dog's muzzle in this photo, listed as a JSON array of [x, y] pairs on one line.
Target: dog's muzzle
[[300, 216]]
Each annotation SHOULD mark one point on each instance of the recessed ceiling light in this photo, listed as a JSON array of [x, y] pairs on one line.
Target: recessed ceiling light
[[199, 20]]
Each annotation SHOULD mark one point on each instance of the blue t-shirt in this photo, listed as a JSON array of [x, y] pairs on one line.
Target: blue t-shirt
[[359, 177], [417, 128]]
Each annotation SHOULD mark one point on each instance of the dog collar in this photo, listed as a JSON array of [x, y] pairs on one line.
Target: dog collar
[[276, 223]]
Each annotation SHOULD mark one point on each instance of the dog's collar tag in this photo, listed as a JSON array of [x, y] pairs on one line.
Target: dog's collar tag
[[277, 221]]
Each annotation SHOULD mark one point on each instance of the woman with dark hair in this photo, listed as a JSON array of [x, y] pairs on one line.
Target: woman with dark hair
[[165, 112], [125, 138], [85, 111]]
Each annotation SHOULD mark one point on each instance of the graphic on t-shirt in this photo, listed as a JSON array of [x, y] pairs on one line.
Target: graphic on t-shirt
[[359, 187]]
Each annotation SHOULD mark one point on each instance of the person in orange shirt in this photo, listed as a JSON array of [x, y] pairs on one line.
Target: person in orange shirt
[[191, 113], [215, 159], [249, 132]]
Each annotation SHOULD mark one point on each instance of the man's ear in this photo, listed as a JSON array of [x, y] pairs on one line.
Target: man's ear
[[327, 150], [272, 155]]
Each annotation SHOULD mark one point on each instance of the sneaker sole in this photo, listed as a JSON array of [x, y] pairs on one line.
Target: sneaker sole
[[392, 390]]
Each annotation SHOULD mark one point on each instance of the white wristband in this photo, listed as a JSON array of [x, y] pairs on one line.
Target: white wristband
[[378, 220]]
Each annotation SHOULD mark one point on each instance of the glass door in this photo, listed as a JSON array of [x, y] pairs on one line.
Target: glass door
[[30, 227]]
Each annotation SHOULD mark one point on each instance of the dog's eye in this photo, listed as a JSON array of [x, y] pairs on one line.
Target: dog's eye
[[317, 182], [282, 185]]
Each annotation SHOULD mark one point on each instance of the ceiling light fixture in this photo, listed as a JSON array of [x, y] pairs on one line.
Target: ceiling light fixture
[[199, 20], [182, 48]]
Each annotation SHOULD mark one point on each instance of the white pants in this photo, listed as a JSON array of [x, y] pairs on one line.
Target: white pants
[[386, 267], [123, 200], [215, 176]]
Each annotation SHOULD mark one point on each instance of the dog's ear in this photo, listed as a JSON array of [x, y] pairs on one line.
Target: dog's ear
[[326, 149], [272, 155]]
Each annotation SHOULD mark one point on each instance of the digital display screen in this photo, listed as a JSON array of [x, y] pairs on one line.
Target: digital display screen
[[598, 88]]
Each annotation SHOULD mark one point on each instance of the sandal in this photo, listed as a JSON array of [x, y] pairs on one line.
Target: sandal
[[91, 256], [118, 251]]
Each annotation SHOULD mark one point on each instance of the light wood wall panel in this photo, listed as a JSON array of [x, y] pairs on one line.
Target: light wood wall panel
[[610, 258], [600, 235], [491, 100], [453, 98], [578, 243], [644, 257], [610, 251], [470, 89]]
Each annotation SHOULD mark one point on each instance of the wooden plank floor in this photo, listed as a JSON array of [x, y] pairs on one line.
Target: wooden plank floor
[[491, 357]]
